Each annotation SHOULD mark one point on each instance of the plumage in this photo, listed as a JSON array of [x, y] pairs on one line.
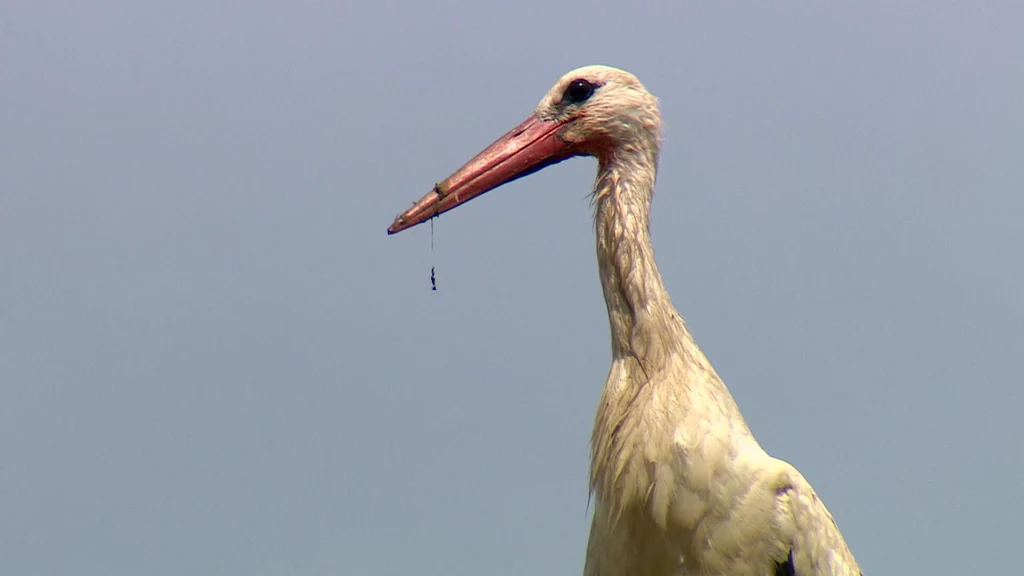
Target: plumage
[[786, 568], [681, 487]]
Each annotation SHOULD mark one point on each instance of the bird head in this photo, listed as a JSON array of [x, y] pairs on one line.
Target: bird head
[[601, 109], [591, 111]]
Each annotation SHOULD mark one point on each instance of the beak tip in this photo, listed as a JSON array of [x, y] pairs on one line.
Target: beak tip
[[397, 226]]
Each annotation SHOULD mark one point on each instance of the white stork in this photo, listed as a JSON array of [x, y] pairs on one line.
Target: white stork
[[681, 487]]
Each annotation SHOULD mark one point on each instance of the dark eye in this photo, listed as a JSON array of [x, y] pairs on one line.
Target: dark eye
[[578, 91]]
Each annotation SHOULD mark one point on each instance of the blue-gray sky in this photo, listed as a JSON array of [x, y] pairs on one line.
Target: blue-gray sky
[[214, 361]]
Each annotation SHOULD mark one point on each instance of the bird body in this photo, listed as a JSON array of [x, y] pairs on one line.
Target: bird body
[[681, 486]]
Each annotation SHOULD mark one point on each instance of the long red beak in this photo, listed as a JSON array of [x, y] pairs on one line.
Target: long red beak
[[532, 145]]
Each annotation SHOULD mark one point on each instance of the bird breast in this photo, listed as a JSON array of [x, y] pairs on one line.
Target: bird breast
[[668, 453]]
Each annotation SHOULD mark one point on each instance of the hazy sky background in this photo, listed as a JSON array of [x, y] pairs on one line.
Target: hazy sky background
[[213, 360]]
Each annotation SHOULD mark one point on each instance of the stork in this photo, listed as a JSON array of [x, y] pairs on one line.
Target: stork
[[680, 485]]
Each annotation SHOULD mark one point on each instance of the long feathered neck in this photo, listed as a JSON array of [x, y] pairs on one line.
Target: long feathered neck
[[658, 373], [644, 323]]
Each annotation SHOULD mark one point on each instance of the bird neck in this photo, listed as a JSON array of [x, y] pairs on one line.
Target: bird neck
[[644, 323]]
